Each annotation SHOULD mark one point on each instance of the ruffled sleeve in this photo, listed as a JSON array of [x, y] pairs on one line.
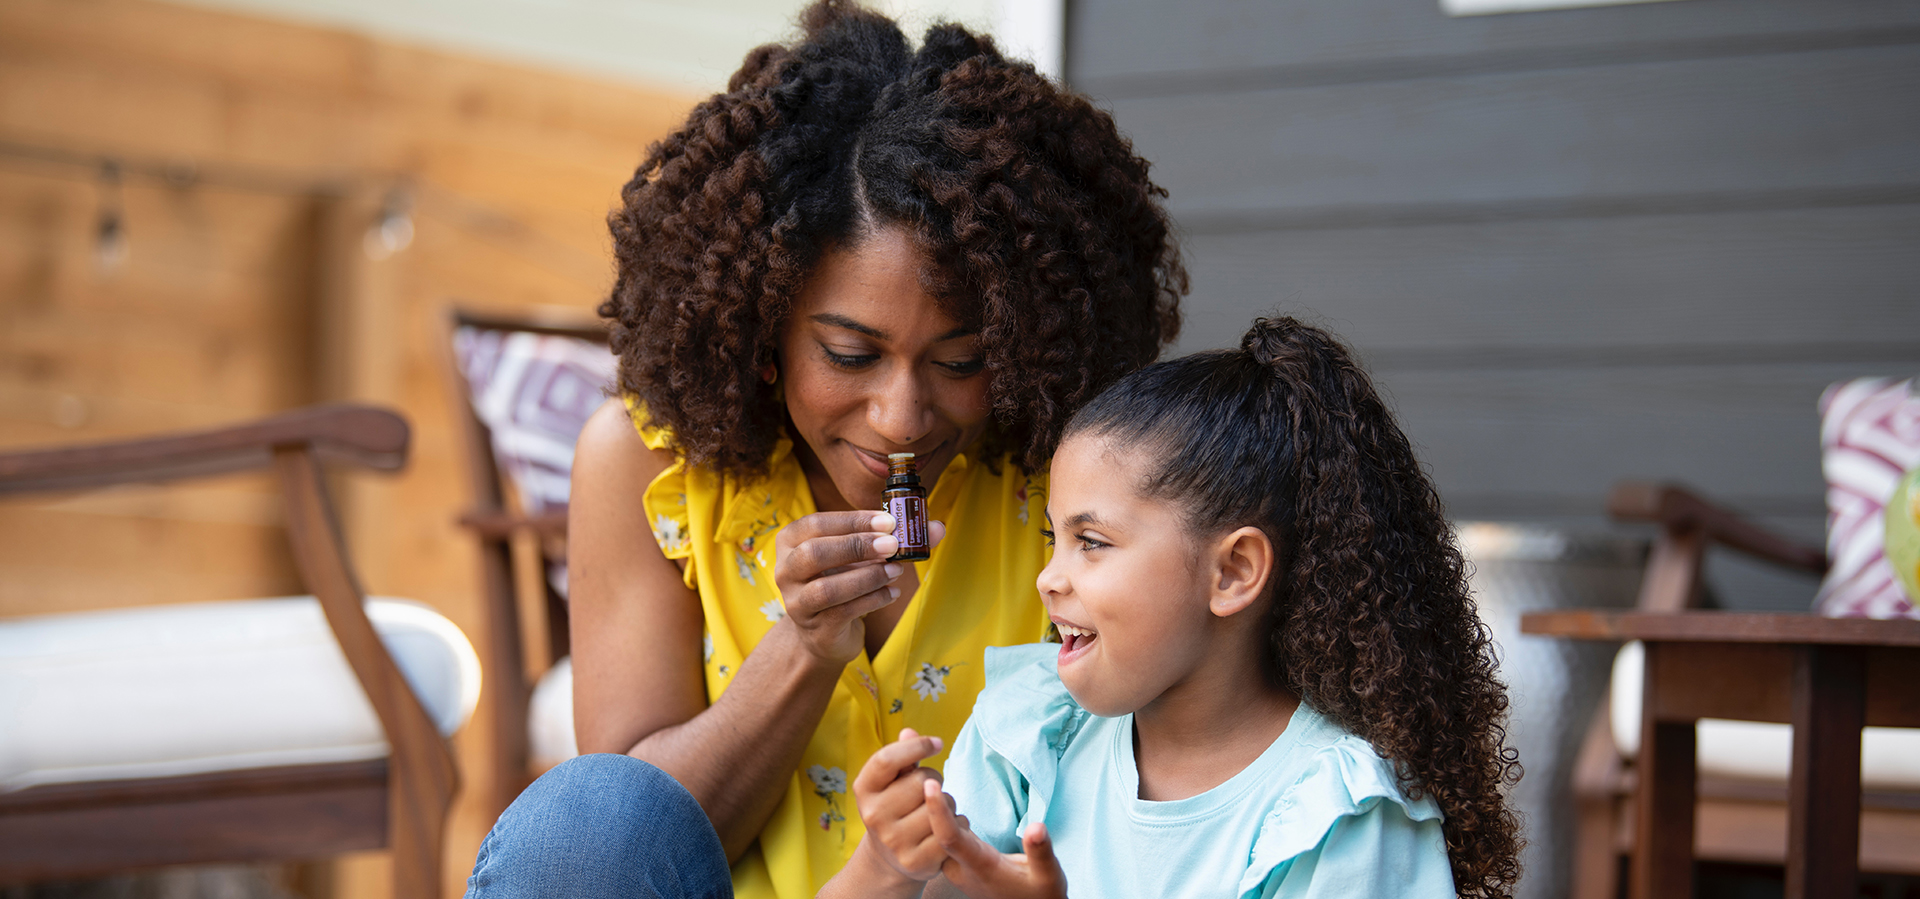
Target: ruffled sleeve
[[666, 498], [1345, 828], [1002, 769]]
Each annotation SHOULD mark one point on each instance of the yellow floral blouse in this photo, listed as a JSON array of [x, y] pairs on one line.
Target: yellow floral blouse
[[976, 591]]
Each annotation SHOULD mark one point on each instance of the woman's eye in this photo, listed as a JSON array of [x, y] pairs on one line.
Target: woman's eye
[[965, 366], [850, 360]]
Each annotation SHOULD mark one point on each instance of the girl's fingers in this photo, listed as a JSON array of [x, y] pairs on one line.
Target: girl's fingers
[[1042, 866], [894, 760], [960, 842]]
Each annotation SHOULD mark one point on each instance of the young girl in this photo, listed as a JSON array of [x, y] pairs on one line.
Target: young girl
[[1270, 682]]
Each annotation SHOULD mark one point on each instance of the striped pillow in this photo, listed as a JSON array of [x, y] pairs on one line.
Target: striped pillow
[[1869, 439], [534, 392]]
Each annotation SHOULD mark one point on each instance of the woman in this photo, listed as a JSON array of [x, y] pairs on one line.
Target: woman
[[857, 250]]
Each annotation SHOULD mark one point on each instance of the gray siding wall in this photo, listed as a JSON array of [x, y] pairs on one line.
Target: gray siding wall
[[1574, 246]]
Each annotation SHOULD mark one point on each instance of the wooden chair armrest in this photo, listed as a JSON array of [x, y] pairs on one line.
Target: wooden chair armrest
[[1678, 510], [360, 435]]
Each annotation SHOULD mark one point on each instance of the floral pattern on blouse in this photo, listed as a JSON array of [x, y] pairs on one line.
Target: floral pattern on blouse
[[1029, 490], [670, 534], [931, 682], [828, 782]]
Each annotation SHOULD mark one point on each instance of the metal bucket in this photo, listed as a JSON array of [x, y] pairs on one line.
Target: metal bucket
[[1554, 685]]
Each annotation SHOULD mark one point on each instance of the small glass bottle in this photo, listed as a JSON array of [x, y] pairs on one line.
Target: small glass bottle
[[906, 501]]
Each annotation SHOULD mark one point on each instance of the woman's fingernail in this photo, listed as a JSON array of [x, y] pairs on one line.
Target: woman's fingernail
[[886, 545], [892, 570], [894, 592], [883, 522]]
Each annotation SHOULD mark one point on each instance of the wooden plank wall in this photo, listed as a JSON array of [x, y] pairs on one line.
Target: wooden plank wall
[[234, 303], [1577, 246]]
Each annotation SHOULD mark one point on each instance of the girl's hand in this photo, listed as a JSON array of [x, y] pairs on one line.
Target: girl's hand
[[888, 793], [980, 871], [831, 570]]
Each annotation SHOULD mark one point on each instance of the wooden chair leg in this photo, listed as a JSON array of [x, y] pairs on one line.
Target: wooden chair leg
[[1596, 867], [1664, 796], [417, 816], [421, 776], [1823, 804], [1596, 778]]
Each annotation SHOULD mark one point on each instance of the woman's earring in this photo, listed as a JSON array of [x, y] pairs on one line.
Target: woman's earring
[[770, 373]]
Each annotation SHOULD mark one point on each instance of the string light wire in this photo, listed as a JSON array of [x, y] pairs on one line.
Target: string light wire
[[391, 230]]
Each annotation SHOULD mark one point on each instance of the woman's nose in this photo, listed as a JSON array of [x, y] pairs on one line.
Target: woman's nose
[[902, 410]]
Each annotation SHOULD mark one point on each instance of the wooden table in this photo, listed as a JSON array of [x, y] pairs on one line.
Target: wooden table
[[1828, 677]]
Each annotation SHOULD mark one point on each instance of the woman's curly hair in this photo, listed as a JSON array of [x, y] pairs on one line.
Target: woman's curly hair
[[1372, 622], [1040, 224]]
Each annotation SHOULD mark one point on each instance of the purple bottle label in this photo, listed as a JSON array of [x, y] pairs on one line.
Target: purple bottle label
[[909, 522]]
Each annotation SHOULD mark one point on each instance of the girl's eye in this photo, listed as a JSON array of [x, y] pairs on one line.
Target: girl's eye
[[1047, 534], [1088, 543], [964, 367], [850, 361]]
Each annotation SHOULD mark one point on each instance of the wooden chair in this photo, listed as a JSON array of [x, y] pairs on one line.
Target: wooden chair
[[526, 615], [1734, 820], [309, 811]]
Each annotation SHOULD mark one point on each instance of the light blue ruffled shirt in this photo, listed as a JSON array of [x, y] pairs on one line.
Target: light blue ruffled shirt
[[1318, 814]]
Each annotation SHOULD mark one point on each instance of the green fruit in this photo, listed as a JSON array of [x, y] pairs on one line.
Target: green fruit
[[1903, 534]]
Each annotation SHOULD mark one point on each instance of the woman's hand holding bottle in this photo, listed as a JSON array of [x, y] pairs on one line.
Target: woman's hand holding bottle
[[831, 570]]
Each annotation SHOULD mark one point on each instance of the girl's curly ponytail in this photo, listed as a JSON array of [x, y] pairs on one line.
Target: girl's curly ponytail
[[1372, 620]]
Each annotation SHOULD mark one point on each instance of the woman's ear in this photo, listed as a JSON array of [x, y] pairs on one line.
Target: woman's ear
[[1242, 565]]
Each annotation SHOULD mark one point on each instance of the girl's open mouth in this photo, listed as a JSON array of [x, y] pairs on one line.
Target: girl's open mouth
[[1074, 641]]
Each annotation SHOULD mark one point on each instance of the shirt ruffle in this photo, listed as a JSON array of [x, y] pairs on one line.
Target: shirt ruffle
[[1022, 723], [748, 508], [1342, 779]]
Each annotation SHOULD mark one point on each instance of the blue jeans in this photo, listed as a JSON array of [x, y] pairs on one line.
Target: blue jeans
[[602, 826]]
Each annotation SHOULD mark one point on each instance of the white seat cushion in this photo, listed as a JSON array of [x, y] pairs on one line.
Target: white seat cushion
[[188, 689], [550, 717], [1889, 756]]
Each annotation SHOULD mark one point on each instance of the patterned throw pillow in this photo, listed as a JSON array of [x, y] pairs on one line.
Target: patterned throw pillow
[[1869, 440], [534, 392]]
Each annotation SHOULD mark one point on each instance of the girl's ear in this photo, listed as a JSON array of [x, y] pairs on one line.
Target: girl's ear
[[1243, 562]]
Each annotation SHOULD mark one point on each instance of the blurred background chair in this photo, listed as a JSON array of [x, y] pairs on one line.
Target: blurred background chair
[[251, 730], [1553, 685], [525, 384], [1741, 812]]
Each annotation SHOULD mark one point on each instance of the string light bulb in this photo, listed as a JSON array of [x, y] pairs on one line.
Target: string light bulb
[[392, 228], [110, 247]]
